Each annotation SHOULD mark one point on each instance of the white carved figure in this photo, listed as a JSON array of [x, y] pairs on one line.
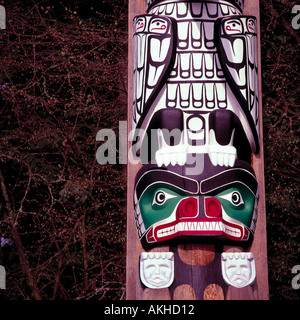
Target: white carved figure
[[157, 269], [238, 268], [195, 70]]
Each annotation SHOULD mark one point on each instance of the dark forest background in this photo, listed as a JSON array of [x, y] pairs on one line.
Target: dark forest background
[[63, 77]]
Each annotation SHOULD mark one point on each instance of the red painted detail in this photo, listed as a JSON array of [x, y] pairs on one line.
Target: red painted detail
[[213, 207], [187, 208]]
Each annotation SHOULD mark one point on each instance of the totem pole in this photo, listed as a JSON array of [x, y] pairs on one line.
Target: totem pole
[[196, 197]]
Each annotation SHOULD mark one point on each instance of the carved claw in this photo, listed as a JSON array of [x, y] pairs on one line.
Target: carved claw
[[219, 154], [171, 155]]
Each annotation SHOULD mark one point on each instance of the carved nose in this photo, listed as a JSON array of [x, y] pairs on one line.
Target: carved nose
[[213, 207], [188, 208]]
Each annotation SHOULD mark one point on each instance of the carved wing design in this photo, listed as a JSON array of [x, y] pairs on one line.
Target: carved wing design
[[238, 56], [154, 46]]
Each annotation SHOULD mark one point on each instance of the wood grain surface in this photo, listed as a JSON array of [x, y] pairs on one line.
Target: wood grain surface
[[197, 266]]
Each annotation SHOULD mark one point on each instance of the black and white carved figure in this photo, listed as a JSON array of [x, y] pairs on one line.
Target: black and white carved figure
[[195, 74]]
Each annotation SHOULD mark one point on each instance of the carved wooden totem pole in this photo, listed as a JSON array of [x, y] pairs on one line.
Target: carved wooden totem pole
[[197, 195]]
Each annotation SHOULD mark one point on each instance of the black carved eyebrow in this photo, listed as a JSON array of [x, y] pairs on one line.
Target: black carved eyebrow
[[227, 177], [163, 176]]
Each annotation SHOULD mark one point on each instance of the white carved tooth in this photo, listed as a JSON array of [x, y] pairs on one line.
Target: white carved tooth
[[209, 95], [182, 8], [169, 8], [224, 9], [197, 59], [196, 34], [221, 94], [174, 159], [220, 159], [209, 67], [183, 33], [209, 34], [197, 91], [171, 94], [182, 157], [179, 227], [159, 159], [226, 159], [184, 94], [185, 64], [232, 160], [167, 158], [213, 158]]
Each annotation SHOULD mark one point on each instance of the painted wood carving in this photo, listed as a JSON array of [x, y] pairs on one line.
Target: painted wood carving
[[196, 127], [219, 202], [238, 268], [157, 269]]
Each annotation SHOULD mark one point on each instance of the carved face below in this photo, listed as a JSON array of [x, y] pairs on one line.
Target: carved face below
[[219, 202], [238, 269], [157, 269]]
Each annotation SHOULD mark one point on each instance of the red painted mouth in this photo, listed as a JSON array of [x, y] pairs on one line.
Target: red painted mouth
[[197, 227]]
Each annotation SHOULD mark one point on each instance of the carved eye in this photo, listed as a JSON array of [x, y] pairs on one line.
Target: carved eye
[[251, 26], [233, 27], [140, 25], [158, 26], [161, 197], [234, 197]]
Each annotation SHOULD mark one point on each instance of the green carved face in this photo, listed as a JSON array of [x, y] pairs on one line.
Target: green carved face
[[173, 211], [159, 201], [219, 204]]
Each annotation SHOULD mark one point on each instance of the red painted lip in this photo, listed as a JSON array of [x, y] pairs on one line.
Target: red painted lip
[[163, 27], [230, 29], [140, 27], [197, 227]]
